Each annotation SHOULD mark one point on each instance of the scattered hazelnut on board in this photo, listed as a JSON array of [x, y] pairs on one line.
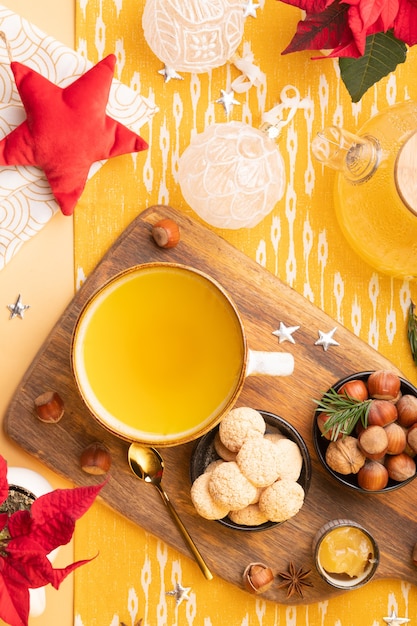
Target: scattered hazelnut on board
[[257, 577], [95, 459], [166, 233], [49, 407]]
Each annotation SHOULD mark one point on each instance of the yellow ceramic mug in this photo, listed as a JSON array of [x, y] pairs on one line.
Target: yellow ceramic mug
[[159, 354]]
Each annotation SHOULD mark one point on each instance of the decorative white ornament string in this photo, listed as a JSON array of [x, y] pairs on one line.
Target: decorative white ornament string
[[251, 75], [232, 175]]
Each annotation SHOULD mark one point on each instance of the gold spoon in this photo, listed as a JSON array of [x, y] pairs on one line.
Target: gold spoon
[[147, 464]]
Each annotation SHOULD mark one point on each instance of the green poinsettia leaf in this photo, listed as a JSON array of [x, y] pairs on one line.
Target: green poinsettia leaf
[[383, 53]]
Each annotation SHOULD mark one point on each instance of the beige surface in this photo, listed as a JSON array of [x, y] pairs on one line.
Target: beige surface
[[42, 272]]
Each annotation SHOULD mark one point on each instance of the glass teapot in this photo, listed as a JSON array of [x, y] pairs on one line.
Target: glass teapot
[[376, 187]]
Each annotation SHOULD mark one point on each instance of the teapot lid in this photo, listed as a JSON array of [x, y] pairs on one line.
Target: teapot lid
[[406, 173]]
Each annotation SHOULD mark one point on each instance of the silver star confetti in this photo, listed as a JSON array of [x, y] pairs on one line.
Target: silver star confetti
[[18, 308], [227, 99], [326, 339], [250, 9], [284, 333], [180, 593], [393, 620], [168, 73]]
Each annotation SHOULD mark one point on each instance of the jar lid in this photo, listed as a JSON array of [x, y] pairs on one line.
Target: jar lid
[[406, 173]]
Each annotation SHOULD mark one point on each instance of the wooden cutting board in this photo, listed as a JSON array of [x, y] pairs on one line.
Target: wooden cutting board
[[264, 301]]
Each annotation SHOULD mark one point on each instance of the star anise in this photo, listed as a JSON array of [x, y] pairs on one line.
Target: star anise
[[295, 580]]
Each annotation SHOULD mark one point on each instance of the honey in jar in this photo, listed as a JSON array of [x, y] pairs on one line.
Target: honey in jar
[[346, 551], [346, 555]]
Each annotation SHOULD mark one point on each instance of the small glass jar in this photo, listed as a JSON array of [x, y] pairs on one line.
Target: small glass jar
[[345, 554]]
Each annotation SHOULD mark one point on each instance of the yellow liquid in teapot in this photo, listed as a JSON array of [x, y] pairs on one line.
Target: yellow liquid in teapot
[[160, 351], [345, 551], [378, 225]]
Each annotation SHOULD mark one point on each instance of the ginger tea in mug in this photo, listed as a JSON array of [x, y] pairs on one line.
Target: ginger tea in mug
[[159, 353]]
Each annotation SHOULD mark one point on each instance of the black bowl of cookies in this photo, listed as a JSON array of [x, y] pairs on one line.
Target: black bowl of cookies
[[252, 472]]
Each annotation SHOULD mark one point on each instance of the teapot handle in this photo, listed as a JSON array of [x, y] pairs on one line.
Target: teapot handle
[[269, 363]]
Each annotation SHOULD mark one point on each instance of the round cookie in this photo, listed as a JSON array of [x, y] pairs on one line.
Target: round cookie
[[290, 459], [258, 460], [229, 487], [211, 466], [281, 500], [274, 437], [239, 424], [223, 452], [203, 503], [259, 490], [251, 515]]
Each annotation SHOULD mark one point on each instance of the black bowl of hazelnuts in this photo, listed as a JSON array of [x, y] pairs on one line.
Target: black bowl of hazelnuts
[[365, 431]]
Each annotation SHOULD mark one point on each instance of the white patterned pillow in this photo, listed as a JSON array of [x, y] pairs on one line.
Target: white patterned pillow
[[26, 200]]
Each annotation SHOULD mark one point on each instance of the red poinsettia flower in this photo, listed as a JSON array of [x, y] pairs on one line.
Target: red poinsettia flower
[[369, 37], [367, 17], [341, 25], [405, 23], [30, 537]]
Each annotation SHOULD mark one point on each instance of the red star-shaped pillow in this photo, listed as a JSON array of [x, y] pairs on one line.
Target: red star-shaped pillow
[[67, 129]]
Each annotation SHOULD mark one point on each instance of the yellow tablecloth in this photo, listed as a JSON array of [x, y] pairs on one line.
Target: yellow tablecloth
[[300, 241]]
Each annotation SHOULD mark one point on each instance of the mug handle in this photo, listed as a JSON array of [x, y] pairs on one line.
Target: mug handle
[[269, 363]]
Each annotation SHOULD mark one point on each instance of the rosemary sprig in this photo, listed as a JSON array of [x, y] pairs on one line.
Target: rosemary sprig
[[344, 412], [412, 331]]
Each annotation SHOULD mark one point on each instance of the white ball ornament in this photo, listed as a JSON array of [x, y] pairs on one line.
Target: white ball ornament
[[232, 175], [193, 35]]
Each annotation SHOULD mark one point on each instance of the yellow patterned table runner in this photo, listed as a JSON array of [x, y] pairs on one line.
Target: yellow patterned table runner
[[300, 241]]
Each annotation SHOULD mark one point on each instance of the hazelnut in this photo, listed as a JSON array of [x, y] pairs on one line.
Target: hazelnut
[[95, 459], [356, 389], [407, 410], [384, 385], [321, 423], [397, 438], [412, 438], [344, 456], [373, 476], [381, 413], [400, 467], [257, 577], [49, 407], [373, 441], [166, 233]]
